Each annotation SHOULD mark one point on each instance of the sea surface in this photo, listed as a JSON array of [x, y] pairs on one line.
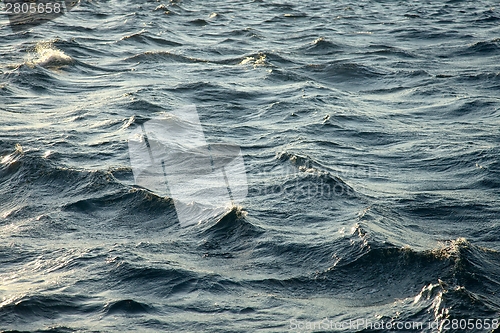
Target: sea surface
[[370, 134]]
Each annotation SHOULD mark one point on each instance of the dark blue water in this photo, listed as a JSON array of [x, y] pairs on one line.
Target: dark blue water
[[370, 133]]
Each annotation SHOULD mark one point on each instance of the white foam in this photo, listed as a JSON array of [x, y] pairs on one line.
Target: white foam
[[47, 55]]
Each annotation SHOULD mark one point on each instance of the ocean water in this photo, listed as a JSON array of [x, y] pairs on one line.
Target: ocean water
[[369, 132]]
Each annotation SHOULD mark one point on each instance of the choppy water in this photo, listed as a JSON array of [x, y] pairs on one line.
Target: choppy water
[[370, 132]]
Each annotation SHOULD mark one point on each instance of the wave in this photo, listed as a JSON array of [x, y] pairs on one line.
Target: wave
[[368, 273], [127, 307], [143, 37], [314, 171], [155, 56], [322, 46], [231, 232], [31, 308], [48, 56], [339, 71], [392, 51], [483, 47]]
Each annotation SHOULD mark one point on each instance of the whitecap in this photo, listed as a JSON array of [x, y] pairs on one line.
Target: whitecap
[[47, 55]]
